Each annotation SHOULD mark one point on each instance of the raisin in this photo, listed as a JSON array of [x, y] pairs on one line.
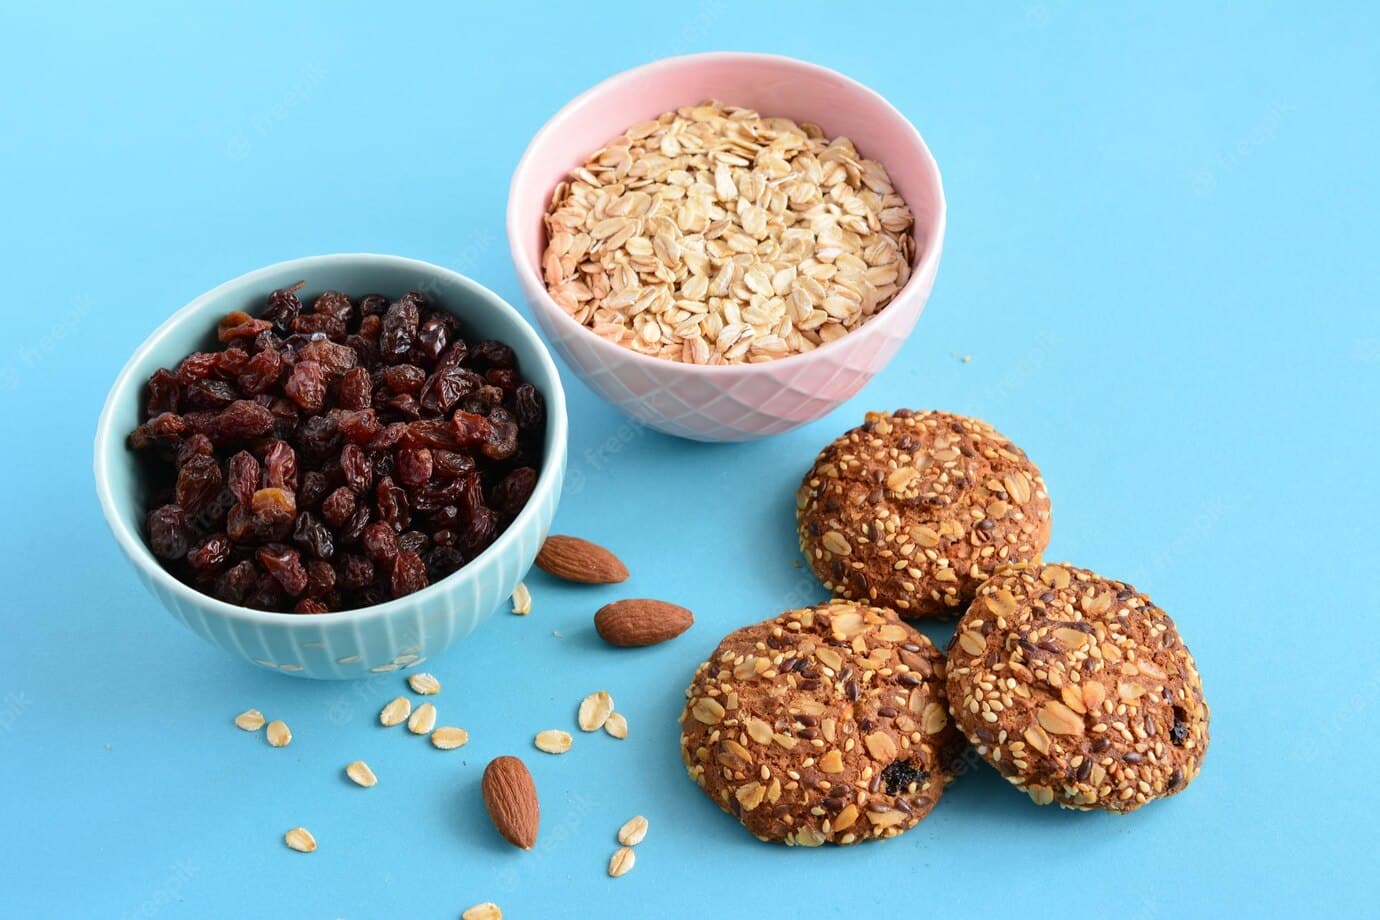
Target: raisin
[[235, 583], [243, 478], [197, 366], [199, 482], [512, 493], [399, 330], [314, 488], [198, 445], [357, 468], [359, 426], [313, 324], [392, 504], [320, 579], [310, 605], [899, 775], [240, 421], [350, 531], [238, 325], [502, 440], [432, 338], [260, 373], [372, 305], [273, 511], [210, 554], [448, 464], [283, 307], [353, 572], [335, 359], [490, 353], [334, 303], [280, 467], [442, 561], [404, 378], [389, 436], [167, 530], [306, 385], [431, 433], [379, 541], [338, 507], [446, 387], [1178, 734], [356, 389], [529, 408], [210, 394], [408, 574], [165, 393], [285, 565], [413, 541], [478, 532], [313, 537], [414, 466]]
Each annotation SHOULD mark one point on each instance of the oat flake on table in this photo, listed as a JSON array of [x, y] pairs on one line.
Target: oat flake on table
[[714, 235]]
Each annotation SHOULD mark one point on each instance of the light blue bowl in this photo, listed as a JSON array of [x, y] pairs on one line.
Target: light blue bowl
[[353, 643]]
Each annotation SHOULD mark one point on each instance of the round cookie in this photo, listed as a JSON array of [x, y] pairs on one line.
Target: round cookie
[[1078, 689], [827, 724], [913, 510]]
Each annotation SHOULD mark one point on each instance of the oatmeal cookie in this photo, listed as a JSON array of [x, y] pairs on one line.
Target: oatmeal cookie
[[1078, 689], [913, 510], [827, 724]]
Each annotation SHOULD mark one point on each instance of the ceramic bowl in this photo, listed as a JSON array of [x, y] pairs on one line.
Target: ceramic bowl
[[731, 402], [352, 643]]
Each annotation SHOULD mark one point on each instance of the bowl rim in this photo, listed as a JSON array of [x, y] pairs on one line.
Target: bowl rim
[[133, 544], [535, 286]]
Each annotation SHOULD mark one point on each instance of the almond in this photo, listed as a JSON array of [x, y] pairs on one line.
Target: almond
[[511, 798], [579, 560], [641, 621]]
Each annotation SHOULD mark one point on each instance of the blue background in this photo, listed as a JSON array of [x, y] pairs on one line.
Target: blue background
[[1162, 260]]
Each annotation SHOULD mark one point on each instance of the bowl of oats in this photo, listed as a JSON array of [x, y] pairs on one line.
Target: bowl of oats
[[726, 246]]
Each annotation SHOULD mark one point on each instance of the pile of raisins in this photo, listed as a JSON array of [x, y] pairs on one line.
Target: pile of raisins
[[337, 457]]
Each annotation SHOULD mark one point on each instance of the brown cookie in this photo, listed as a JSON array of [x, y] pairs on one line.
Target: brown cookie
[[824, 725], [1078, 689], [913, 510]]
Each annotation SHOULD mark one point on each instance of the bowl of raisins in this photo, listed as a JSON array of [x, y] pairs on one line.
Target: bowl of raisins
[[335, 466]]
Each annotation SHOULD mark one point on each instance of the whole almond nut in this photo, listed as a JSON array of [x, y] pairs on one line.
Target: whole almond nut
[[511, 799], [641, 621], [574, 559]]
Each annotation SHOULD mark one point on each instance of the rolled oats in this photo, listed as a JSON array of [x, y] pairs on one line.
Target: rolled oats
[[714, 235]]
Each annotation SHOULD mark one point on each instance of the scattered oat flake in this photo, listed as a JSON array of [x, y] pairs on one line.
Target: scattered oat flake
[[522, 600], [448, 738], [424, 684], [251, 720], [633, 832], [595, 710], [486, 911], [279, 735], [423, 720], [622, 862], [360, 774], [616, 725], [301, 840], [396, 712], [553, 741]]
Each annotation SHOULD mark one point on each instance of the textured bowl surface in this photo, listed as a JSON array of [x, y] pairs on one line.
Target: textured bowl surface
[[352, 643], [738, 402]]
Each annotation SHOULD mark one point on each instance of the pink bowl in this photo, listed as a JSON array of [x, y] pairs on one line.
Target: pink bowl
[[728, 402]]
